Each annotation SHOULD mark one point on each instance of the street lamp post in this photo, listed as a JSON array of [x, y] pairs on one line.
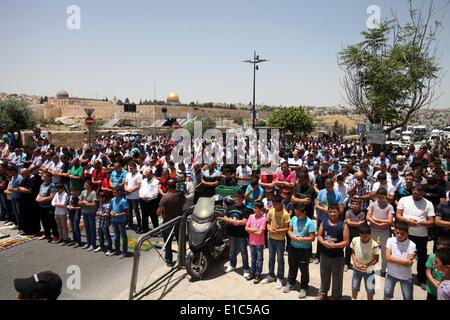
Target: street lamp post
[[256, 60]]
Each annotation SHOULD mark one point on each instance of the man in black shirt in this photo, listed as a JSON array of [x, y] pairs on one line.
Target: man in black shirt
[[443, 219], [227, 178], [65, 171], [170, 207], [29, 189], [434, 192], [320, 179], [197, 181], [304, 194], [236, 219]]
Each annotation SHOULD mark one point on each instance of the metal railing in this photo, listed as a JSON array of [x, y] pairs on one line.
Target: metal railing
[[181, 254]]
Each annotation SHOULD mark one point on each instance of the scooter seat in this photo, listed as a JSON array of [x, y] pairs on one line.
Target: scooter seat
[[204, 208]]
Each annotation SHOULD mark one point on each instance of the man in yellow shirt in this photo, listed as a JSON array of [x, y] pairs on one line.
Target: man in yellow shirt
[[277, 225]]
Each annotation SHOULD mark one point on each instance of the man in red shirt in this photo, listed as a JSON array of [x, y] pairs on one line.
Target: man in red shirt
[[98, 175], [285, 178], [266, 179]]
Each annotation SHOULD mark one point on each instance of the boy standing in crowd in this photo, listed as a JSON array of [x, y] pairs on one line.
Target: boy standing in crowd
[[119, 214], [326, 198], [277, 225], [333, 236], [400, 254], [302, 233], [354, 218], [256, 225], [365, 254], [74, 217], [236, 218], [104, 221], [60, 203], [380, 216]]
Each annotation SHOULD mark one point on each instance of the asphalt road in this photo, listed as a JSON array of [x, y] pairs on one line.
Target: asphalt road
[[101, 277]]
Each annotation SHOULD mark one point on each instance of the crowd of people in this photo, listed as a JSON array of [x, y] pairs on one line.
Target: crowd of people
[[360, 208]]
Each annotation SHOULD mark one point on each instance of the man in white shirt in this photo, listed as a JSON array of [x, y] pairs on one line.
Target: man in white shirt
[[381, 159], [36, 162], [132, 185], [400, 253], [97, 156], [418, 213], [54, 168], [383, 169], [46, 162], [396, 180], [148, 194], [383, 183], [243, 175], [295, 162]]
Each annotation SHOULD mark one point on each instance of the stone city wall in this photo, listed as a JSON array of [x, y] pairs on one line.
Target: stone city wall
[[105, 110]]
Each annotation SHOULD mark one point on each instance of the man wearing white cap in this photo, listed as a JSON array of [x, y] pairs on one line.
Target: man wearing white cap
[[401, 166]]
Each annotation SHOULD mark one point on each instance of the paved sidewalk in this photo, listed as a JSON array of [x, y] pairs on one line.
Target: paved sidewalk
[[217, 285]]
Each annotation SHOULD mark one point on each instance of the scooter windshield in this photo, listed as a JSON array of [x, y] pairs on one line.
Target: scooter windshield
[[204, 208]]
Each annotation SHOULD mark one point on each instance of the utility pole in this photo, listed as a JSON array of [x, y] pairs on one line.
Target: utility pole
[[256, 60]]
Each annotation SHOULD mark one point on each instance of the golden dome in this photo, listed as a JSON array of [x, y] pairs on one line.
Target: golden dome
[[173, 98], [62, 94]]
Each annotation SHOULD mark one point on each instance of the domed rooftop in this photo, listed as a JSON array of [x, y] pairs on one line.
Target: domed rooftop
[[173, 98], [62, 94]]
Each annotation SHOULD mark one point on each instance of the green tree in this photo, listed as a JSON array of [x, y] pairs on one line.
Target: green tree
[[16, 115], [295, 119], [260, 123], [394, 71], [239, 121]]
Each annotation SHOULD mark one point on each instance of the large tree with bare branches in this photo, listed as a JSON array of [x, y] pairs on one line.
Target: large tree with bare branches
[[395, 71]]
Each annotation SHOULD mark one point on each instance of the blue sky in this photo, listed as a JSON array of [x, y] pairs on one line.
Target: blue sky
[[192, 47]]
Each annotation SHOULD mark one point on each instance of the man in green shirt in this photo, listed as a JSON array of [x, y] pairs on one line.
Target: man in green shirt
[[76, 175]]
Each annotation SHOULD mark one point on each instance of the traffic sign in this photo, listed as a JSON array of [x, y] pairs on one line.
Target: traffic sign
[[376, 138], [376, 134], [89, 121], [361, 128], [89, 111]]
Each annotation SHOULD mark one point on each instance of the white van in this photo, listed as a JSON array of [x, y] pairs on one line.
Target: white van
[[436, 135], [408, 137]]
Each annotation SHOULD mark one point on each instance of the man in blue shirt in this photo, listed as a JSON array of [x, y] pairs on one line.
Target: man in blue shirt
[[407, 189], [118, 176], [253, 193], [16, 180], [18, 158], [302, 233], [119, 214]]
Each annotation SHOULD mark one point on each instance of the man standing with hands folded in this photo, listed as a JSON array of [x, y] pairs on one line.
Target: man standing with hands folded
[[418, 213], [148, 194]]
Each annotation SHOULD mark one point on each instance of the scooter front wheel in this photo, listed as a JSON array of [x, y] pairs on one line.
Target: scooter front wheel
[[196, 265]]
